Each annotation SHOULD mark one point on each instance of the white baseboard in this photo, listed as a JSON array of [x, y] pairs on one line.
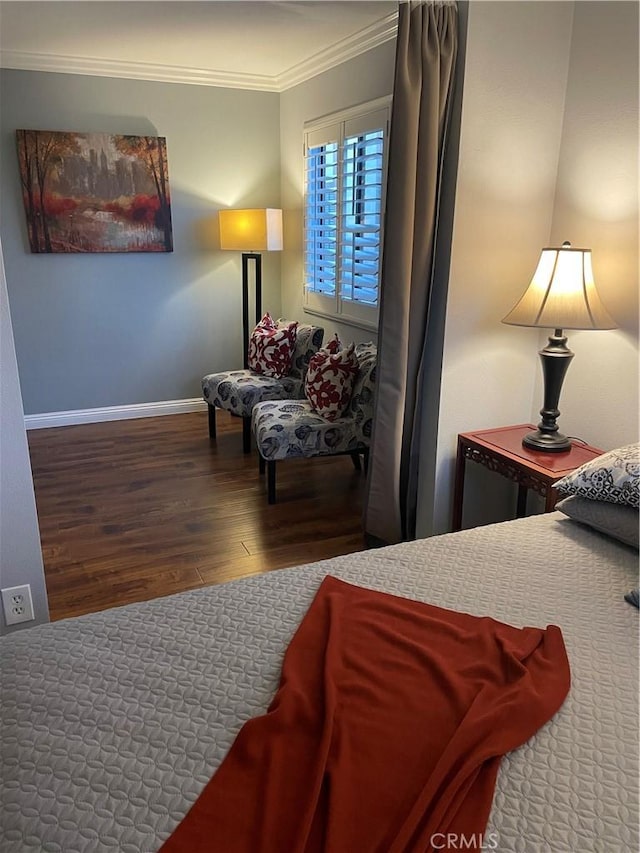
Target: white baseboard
[[114, 413]]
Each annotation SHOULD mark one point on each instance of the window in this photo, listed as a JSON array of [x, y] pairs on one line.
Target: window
[[345, 159]]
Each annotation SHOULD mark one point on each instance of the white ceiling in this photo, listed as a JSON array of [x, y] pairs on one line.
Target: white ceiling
[[260, 44]]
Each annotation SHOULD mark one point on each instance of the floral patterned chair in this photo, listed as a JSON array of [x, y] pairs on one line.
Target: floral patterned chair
[[290, 429], [238, 391]]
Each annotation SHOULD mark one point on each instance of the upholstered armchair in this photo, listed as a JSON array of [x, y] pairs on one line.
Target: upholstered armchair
[[238, 391], [288, 429]]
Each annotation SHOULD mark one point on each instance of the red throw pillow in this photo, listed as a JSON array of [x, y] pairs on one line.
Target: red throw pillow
[[328, 384], [271, 347], [335, 345]]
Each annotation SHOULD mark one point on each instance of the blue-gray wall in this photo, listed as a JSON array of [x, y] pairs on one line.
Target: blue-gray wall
[[116, 329]]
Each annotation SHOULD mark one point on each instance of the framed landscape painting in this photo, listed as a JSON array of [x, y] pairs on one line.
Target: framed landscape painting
[[95, 192]]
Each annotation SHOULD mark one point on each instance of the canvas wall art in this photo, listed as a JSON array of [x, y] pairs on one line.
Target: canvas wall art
[[95, 192]]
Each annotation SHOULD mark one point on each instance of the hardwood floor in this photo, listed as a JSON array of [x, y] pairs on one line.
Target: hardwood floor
[[132, 510]]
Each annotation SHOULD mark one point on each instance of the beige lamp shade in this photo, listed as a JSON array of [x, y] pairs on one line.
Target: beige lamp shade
[[257, 230], [562, 294]]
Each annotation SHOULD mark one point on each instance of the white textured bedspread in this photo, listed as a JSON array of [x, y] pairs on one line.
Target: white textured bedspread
[[112, 723]]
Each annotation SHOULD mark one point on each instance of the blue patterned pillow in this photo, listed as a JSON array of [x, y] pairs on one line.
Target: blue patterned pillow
[[612, 477]]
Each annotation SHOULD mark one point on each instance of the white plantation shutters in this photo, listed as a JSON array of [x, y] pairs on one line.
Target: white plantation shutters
[[360, 232], [344, 203], [321, 213]]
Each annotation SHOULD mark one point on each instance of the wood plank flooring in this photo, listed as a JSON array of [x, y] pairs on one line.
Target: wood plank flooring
[[132, 510]]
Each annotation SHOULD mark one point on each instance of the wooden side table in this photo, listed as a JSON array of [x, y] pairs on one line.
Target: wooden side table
[[501, 450]]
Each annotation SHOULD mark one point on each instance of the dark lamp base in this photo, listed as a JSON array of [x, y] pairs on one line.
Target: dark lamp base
[[555, 358], [547, 442]]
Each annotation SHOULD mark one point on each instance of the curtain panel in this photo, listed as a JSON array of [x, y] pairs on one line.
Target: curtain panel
[[426, 53]]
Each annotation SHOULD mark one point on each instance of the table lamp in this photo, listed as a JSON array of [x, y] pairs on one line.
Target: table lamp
[[562, 295], [251, 232]]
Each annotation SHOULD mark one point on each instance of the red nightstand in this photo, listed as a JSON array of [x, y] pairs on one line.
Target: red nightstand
[[501, 450]]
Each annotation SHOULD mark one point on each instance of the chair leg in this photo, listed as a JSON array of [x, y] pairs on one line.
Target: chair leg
[[365, 457], [355, 458], [271, 481], [246, 434], [212, 420], [262, 465]]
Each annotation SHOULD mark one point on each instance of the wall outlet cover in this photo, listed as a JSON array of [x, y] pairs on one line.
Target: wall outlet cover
[[17, 604]]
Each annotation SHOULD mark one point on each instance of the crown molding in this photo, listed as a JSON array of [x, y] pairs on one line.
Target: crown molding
[[347, 48], [94, 67]]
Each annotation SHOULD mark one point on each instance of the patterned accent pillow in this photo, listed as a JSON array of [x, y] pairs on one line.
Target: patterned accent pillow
[[335, 345], [613, 477], [308, 342], [328, 384], [633, 597], [271, 347]]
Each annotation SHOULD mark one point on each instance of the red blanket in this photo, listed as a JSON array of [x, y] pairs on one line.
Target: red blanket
[[385, 735]]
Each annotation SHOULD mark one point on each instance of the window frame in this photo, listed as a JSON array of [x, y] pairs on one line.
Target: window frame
[[337, 127]]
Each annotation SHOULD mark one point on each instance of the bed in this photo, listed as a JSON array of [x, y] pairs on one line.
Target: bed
[[112, 723]]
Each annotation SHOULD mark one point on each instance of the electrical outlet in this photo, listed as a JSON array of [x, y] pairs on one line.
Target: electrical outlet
[[17, 604]]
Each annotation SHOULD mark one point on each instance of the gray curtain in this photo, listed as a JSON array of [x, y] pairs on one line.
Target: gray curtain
[[423, 89]]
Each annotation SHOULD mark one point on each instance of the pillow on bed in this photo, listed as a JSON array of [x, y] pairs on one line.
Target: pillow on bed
[[633, 597], [615, 520], [613, 477]]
